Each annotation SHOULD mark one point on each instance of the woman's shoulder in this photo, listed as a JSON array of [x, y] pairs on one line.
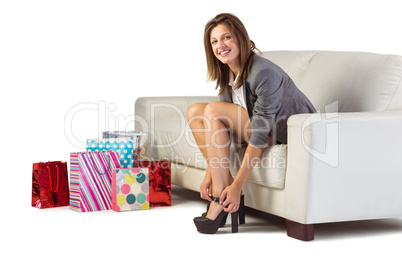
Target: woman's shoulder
[[262, 67]]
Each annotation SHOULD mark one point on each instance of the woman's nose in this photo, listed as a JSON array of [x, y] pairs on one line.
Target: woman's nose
[[221, 44]]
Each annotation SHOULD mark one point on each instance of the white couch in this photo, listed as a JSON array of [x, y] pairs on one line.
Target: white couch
[[342, 164]]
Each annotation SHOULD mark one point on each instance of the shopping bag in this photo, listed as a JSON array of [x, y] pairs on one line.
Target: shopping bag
[[135, 136], [123, 146], [91, 180], [50, 184], [159, 182], [130, 189]]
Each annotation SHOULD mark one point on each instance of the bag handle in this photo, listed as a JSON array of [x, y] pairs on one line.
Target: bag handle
[[50, 179], [96, 167]]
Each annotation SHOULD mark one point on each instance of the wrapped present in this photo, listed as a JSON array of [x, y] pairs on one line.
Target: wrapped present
[[159, 182], [91, 180], [50, 185], [130, 189], [123, 146]]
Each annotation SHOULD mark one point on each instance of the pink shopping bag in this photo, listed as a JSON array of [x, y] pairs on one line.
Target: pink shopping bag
[[91, 180]]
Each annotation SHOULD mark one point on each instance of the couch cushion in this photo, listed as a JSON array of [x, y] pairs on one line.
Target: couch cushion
[[270, 171], [360, 82], [294, 63], [344, 81]]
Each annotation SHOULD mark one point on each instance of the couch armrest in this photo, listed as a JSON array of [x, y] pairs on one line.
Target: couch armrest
[[344, 166], [158, 115], [147, 109]]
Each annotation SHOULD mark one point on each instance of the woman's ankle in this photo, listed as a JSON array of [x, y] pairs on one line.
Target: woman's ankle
[[214, 210]]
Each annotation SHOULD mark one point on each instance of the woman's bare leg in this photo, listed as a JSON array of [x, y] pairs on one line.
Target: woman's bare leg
[[198, 125], [222, 117], [195, 119]]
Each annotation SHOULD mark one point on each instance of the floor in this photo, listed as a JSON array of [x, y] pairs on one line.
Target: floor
[[163, 236]]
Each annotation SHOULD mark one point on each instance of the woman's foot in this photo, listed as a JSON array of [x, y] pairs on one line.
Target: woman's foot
[[210, 226], [242, 216], [214, 209]]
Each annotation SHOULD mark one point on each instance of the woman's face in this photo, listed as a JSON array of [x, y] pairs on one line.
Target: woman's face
[[225, 47]]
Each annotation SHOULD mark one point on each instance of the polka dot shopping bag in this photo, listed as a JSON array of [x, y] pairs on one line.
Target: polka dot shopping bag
[[123, 146], [130, 189]]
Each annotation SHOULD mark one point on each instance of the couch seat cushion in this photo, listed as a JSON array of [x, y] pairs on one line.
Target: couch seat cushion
[[270, 171]]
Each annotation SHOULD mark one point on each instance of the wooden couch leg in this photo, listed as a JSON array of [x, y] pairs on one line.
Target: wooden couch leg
[[304, 232]]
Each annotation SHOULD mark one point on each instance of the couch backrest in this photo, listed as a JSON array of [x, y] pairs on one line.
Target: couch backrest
[[344, 81]]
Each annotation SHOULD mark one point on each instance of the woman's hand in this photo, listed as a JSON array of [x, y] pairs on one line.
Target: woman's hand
[[205, 187], [230, 198]]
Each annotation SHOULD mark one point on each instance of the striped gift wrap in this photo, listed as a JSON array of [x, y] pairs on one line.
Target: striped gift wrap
[[90, 180]]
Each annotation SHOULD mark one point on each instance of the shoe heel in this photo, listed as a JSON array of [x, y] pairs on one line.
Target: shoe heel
[[242, 214], [235, 226], [223, 222]]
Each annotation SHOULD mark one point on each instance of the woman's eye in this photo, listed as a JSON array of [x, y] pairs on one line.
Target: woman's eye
[[228, 37], [213, 42]]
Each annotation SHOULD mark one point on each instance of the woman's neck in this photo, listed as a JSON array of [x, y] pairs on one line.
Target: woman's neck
[[235, 68], [235, 72]]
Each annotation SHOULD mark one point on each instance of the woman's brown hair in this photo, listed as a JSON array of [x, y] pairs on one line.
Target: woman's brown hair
[[217, 71]]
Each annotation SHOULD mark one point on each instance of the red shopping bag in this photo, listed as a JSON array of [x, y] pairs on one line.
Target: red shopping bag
[[159, 182], [50, 185]]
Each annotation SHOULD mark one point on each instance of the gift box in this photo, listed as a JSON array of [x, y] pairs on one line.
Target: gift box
[[130, 189], [50, 184], [91, 180], [159, 182]]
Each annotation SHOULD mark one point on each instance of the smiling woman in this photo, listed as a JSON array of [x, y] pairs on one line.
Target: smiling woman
[[256, 99], [226, 31]]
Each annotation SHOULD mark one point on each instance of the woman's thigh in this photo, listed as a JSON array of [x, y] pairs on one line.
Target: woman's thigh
[[233, 116]]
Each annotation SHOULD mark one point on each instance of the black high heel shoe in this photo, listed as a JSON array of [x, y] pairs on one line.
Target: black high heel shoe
[[208, 226], [242, 215]]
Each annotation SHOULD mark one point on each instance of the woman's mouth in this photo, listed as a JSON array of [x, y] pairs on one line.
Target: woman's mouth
[[224, 52]]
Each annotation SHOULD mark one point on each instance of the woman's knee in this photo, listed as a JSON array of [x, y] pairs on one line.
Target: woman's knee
[[212, 109], [195, 110]]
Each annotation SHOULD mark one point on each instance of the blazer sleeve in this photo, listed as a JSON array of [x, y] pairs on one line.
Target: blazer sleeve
[[267, 88]]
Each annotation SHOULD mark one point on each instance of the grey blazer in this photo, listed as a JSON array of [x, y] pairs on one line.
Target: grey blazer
[[271, 97]]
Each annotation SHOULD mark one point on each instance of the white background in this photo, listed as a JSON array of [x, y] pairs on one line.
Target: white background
[[78, 67]]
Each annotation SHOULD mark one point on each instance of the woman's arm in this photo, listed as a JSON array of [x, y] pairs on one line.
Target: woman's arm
[[205, 187]]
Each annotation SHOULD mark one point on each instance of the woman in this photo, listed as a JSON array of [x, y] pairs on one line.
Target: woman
[[256, 99]]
